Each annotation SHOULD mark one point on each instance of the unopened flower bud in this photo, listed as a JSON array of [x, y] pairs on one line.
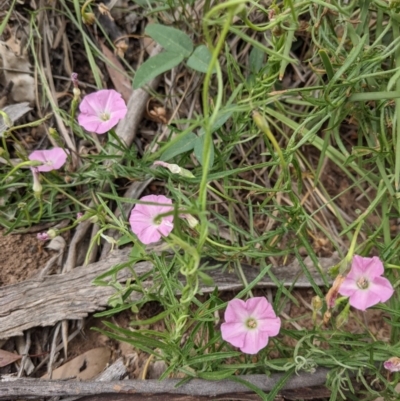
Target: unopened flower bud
[[52, 233], [343, 316], [94, 219], [327, 317], [37, 187], [316, 303], [332, 294], [74, 79], [174, 168], [43, 237], [110, 240], [192, 221], [88, 18], [392, 364]]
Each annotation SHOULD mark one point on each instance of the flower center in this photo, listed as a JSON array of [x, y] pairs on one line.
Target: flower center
[[362, 283], [104, 116], [251, 323], [157, 220]]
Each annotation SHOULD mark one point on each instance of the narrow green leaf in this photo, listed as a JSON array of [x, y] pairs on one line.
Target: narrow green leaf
[[216, 375], [113, 311], [256, 60], [327, 64], [155, 66], [184, 144], [170, 39], [223, 117], [199, 150], [212, 357], [200, 59]]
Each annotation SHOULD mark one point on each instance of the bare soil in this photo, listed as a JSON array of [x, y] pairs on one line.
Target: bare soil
[[22, 256]]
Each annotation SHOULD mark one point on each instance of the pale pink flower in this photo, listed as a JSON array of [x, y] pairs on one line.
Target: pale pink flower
[[364, 284], [145, 222], [392, 364], [52, 159], [249, 325], [50, 234], [100, 111], [43, 237]]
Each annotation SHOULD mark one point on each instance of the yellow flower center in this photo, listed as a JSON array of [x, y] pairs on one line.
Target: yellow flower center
[[362, 283], [251, 323], [104, 116]]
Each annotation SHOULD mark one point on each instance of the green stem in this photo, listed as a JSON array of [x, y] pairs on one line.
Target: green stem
[[206, 110]]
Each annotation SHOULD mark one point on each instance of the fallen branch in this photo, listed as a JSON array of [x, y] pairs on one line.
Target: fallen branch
[[155, 389], [48, 300]]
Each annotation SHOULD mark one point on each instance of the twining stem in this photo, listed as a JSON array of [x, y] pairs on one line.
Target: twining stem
[[214, 65]]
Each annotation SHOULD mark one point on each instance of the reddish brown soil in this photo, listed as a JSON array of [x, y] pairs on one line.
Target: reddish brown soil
[[21, 257]]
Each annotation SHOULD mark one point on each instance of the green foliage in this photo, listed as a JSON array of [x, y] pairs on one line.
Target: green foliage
[[178, 46], [155, 66], [317, 160]]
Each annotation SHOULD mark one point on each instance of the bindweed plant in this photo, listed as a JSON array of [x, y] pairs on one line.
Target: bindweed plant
[[282, 144]]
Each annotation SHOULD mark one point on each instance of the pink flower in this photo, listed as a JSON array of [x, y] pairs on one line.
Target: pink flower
[[392, 364], [145, 223], [248, 325], [101, 111], [43, 237], [52, 159], [364, 284]]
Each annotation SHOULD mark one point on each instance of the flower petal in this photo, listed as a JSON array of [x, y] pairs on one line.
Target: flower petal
[[269, 326], [363, 299], [236, 311], [149, 235], [254, 341], [259, 307], [166, 226], [348, 287], [381, 287], [373, 267], [234, 333]]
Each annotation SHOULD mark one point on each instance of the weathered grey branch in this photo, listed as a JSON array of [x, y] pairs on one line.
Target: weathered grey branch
[[48, 300], [155, 389]]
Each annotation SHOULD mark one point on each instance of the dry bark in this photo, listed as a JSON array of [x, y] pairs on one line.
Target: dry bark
[[195, 389], [48, 300]]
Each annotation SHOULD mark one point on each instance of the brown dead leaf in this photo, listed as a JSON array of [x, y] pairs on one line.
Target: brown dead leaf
[[6, 358], [83, 367], [121, 82]]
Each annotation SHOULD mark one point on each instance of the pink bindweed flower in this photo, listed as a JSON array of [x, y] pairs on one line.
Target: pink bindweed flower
[[101, 110], [51, 159], [364, 284], [50, 234], [145, 222], [392, 364], [248, 325], [43, 237]]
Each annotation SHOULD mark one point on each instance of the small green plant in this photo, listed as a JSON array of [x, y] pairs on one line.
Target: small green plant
[[178, 47]]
